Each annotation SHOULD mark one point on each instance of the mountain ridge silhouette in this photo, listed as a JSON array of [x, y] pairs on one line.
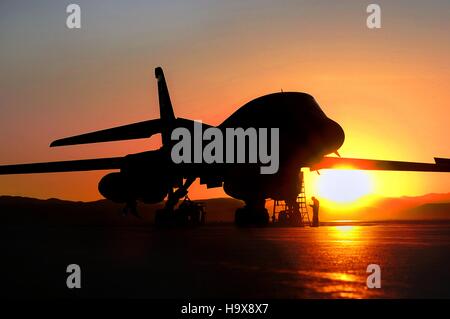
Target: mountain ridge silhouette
[[18, 210]]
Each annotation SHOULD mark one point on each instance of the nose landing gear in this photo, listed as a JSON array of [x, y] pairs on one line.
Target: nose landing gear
[[253, 213], [131, 207]]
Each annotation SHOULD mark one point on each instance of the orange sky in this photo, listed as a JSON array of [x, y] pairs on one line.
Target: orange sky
[[388, 88]]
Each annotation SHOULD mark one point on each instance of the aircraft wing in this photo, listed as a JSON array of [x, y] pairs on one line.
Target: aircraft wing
[[64, 166], [138, 130], [440, 165]]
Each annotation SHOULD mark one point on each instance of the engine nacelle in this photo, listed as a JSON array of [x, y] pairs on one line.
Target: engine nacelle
[[121, 188], [114, 187]]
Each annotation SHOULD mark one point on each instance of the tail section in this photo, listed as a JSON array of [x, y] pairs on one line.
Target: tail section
[[165, 107], [163, 125]]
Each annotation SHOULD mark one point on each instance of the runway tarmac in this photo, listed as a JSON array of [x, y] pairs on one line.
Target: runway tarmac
[[222, 261]]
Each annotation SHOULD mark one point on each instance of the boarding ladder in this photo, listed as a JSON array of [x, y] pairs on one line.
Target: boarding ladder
[[301, 200], [290, 216]]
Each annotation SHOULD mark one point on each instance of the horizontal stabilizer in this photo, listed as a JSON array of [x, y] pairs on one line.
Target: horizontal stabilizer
[[126, 132], [65, 166], [441, 165]]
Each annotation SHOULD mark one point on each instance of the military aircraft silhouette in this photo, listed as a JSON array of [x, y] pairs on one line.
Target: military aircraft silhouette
[[306, 136]]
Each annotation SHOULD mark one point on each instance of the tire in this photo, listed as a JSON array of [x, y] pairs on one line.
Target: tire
[[162, 218], [245, 217], [241, 217], [261, 217]]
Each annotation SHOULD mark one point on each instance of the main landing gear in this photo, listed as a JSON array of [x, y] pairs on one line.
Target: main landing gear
[[188, 213], [253, 213]]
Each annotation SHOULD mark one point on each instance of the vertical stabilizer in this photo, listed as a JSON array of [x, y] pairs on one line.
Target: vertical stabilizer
[[165, 106]]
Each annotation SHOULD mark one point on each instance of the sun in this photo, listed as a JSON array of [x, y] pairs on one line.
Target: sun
[[343, 186]]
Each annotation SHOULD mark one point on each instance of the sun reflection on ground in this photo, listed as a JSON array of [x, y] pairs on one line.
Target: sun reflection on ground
[[337, 284], [330, 261], [345, 234]]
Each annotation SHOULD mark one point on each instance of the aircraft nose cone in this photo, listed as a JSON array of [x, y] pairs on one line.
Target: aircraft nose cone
[[334, 136], [340, 136]]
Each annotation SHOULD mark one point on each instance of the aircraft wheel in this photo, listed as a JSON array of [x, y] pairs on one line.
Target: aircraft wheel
[[181, 217], [246, 217], [241, 217], [163, 217], [261, 217]]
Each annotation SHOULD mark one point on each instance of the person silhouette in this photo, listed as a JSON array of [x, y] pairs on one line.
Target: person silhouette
[[315, 206]]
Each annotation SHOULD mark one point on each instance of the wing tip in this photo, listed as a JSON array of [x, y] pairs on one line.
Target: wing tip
[[57, 143]]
